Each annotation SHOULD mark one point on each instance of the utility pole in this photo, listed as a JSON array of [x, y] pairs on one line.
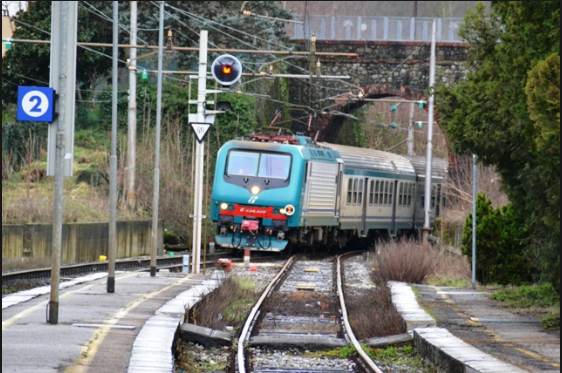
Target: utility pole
[[429, 160], [132, 129], [411, 131], [474, 217], [113, 158], [199, 154], [64, 19], [156, 194]]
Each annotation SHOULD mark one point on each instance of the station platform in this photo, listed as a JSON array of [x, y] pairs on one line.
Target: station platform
[[481, 322], [128, 331]]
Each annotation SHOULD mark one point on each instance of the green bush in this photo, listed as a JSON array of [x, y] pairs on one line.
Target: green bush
[[502, 256]]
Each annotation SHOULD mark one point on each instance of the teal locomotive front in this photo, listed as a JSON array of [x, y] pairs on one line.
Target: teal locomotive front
[[256, 196]]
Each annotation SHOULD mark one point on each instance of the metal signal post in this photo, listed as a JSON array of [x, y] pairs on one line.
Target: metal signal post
[[199, 155], [429, 160]]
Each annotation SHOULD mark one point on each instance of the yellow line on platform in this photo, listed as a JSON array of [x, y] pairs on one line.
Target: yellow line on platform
[[90, 349]]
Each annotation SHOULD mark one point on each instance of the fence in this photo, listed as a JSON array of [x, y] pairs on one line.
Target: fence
[[398, 29], [82, 243]]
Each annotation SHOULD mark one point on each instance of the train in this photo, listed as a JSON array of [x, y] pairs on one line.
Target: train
[[274, 190]]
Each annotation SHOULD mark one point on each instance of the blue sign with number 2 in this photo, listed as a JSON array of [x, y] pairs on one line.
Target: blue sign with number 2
[[36, 104]]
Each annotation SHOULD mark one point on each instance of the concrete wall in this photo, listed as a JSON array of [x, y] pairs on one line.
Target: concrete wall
[[6, 31], [81, 242]]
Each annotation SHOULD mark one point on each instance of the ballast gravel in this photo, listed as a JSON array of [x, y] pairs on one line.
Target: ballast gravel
[[262, 360]]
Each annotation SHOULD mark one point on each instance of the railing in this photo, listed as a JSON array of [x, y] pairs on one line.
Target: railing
[[376, 28]]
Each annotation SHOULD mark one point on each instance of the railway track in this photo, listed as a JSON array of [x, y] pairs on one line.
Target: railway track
[[171, 263], [302, 309]]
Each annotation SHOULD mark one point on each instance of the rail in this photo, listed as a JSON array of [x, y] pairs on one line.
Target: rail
[[246, 330], [398, 29], [345, 318]]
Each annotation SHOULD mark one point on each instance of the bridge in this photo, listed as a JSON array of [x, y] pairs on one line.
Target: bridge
[[391, 65]]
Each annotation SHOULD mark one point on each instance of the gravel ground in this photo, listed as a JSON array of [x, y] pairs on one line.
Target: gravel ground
[[262, 277], [198, 359], [295, 360], [358, 273]]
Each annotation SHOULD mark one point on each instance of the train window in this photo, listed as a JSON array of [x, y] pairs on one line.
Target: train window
[[349, 191], [433, 197], [372, 193], [386, 192], [401, 195], [275, 166], [411, 191], [360, 192], [243, 163], [355, 182]]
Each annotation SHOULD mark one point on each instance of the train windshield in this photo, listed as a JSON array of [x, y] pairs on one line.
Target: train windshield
[[266, 165], [275, 166]]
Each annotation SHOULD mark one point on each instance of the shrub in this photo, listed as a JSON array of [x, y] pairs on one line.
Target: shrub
[[502, 257], [406, 261]]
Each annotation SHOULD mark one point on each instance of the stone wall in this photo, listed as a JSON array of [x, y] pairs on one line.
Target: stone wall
[[81, 242], [381, 69], [398, 64]]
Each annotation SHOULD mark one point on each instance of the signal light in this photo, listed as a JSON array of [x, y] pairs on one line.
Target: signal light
[[144, 75], [422, 104], [227, 70]]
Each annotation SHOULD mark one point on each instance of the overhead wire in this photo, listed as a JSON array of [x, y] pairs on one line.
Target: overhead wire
[[104, 16]]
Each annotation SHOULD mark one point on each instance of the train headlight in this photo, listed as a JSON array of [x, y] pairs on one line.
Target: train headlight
[[224, 206], [282, 211], [255, 190], [289, 210]]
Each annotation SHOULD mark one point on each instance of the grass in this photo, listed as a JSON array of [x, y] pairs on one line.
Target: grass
[[226, 306], [533, 299], [535, 296], [448, 281], [403, 357]]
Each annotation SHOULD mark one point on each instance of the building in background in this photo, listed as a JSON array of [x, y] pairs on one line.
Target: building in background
[[7, 29]]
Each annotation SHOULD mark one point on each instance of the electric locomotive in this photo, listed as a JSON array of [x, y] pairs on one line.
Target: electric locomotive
[[270, 190]]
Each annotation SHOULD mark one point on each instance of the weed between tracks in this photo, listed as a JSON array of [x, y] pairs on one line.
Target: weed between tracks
[[372, 314], [392, 359], [226, 306]]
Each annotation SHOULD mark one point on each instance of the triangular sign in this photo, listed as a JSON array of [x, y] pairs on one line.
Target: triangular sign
[[200, 130]]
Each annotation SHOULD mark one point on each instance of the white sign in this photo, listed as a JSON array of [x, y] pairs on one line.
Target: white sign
[[35, 104], [200, 130]]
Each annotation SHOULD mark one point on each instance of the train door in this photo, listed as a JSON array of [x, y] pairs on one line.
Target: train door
[[339, 186], [364, 188], [394, 209]]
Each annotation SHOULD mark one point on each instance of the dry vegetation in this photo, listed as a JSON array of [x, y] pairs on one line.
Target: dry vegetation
[[372, 313], [412, 262], [228, 305]]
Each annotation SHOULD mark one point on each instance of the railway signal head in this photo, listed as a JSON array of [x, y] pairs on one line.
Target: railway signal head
[[227, 70]]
